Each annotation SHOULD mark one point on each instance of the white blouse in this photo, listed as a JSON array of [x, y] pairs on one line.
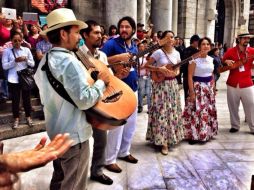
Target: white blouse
[[160, 57], [8, 61], [204, 66]]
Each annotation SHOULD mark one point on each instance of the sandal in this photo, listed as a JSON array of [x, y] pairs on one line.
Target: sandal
[[15, 124], [29, 122], [164, 150]]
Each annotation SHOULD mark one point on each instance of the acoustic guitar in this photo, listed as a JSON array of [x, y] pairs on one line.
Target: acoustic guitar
[[118, 67], [118, 101], [157, 76], [235, 65]]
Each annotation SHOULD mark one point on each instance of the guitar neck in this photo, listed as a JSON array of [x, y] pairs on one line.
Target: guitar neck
[[235, 65], [182, 63], [148, 50]]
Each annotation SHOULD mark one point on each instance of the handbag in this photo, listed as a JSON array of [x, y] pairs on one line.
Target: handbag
[[26, 77]]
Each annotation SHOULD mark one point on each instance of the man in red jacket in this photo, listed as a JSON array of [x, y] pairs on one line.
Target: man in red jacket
[[239, 83]]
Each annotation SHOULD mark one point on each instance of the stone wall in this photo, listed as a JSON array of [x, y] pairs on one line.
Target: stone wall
[[94, 10]]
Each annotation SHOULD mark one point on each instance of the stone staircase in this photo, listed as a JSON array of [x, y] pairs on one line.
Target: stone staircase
[[6, 120]]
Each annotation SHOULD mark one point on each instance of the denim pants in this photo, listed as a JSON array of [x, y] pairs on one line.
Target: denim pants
[[144, 88]]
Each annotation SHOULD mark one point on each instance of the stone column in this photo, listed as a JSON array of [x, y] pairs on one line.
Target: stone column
[[85, 9], [175, 16], [116, 9], [211, 17], [141, 11], [162, 14]]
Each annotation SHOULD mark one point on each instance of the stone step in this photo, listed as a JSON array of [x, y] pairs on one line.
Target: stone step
[[6, 117], [6, 132], [6, 107]]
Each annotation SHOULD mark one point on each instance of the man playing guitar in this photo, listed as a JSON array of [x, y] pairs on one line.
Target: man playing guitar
[[120, 49], [239, 83]]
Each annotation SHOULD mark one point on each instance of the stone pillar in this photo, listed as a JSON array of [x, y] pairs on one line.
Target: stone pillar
[[161, 14], [85, 9], [2, 3], [116, 9], [211, 17], [175, 16], [141, 11]]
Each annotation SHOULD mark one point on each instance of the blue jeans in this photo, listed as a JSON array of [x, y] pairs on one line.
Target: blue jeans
[[144, 88]]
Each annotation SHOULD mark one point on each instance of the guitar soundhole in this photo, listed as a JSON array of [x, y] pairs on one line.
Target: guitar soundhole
[[113, 98]]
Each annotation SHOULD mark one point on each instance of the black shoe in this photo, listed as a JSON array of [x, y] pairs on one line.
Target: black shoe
[[140, 109], [233, 130], [102, 179], [129, 159], [192, 142]]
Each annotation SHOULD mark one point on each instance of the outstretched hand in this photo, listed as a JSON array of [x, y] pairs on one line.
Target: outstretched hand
[[37, 157]]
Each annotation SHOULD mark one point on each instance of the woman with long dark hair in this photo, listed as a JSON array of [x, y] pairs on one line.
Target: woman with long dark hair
[[164, 119], [200, 114]]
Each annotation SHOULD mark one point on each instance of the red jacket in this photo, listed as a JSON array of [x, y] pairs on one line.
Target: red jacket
[[236, 77]]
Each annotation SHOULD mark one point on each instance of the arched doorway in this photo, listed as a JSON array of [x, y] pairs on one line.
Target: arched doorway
[[220, 22]]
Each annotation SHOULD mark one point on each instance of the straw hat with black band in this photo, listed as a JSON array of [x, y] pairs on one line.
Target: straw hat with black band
[[243, 32], [60, 18]]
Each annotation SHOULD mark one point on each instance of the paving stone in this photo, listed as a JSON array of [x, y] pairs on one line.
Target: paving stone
[[205, 160], [236, 155], [243, 171], [184, 184], [220, 180]]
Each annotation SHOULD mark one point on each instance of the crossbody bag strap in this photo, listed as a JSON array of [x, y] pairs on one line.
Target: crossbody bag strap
[[13, 53], [57, 86], [169, 60]]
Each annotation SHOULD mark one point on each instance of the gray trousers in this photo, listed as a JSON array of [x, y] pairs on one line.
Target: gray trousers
[[70, 171], [246, 96], [100, 142]]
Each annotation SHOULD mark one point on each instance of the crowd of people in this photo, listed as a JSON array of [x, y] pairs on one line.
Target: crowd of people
[[162, 65]]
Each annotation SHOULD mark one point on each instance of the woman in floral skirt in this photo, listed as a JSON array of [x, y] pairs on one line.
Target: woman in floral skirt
[[200, 114], [164, 120]]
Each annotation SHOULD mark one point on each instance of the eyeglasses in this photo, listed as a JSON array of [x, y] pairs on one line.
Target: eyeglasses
[[15, 41]]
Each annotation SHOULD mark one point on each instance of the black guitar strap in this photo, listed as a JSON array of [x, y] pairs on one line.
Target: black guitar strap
[[57, 86]]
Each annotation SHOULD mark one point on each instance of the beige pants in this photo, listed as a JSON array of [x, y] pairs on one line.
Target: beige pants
[[70, 170], [246, 96]]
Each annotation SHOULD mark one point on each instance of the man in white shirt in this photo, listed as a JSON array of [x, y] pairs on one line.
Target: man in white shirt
[[92, 37]]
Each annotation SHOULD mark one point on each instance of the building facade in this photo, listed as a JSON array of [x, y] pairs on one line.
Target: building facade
[[217, 19]]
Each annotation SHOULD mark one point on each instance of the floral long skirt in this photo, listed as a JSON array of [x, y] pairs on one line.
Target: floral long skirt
[[200, 117], [164, 120]]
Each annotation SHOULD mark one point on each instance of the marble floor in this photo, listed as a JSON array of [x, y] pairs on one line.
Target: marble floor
[[224, 163]]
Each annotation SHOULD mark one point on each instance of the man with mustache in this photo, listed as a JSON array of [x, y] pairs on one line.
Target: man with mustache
[[120, 49], [239, 83], [92, 37], [64, 114]]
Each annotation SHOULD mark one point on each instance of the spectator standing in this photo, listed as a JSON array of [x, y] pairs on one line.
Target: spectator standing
[[16, 59], [144, 81], [189, 51]]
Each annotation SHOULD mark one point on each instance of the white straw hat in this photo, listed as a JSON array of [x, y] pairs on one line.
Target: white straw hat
[[62, 17], [243, 32]]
